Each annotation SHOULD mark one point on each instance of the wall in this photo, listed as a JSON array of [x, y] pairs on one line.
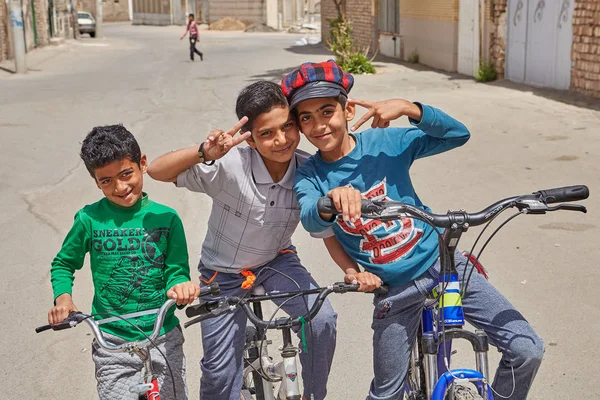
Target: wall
[[360, 13], [112, 10], [249, 11], [151, 12], [585, 53], [431, 30], [498, 36]]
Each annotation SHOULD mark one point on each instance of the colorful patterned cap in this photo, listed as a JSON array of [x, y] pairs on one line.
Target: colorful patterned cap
[[316, 80]]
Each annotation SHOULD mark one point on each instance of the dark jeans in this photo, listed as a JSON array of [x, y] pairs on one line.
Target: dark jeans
[[193, 49]]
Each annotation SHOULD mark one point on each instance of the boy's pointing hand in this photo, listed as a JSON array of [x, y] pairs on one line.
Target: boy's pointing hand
[[385, 111]]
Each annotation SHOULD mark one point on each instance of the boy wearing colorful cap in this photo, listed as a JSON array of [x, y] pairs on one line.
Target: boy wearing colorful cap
[[248, 240], [404, 254]]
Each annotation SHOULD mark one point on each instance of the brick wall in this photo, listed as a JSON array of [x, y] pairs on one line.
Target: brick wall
[[360, 15], [3, 31], [41, 22], [585, 53], [498, 36]]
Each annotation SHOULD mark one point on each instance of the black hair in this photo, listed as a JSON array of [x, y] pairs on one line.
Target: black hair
[[258, 98], [191, 15], [107, 144]]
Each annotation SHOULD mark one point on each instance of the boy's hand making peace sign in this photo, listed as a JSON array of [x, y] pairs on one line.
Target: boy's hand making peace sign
[[385, 111], [219, 142]]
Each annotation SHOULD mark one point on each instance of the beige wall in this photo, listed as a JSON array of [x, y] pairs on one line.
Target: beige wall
[[245, 10], [430, 29], [111, 10], [433, 10], [435, 41]]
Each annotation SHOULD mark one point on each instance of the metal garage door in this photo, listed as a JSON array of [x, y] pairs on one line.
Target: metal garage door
[[539, 40]]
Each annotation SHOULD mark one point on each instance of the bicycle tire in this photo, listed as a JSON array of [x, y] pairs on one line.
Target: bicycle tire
[[249, 386], [465, 393]]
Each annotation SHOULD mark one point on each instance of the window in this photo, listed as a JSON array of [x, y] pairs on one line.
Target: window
[[389, 16]]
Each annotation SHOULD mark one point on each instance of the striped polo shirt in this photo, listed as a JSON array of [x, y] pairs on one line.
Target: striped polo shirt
[[252, 218]]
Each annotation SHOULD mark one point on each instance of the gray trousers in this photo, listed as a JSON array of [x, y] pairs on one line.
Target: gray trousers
[[223, 337], [117, 372], [396, 320]]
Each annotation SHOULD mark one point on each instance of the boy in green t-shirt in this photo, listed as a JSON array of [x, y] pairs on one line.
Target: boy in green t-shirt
[[138, 257]]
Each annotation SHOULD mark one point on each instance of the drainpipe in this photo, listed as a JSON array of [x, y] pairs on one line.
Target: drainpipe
[[35, 37], [16, 22]]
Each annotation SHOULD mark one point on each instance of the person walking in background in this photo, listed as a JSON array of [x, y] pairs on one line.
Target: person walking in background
[[192, 28]]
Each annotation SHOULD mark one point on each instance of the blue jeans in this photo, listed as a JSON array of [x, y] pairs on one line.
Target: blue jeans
[[397, 316], [223, 337]]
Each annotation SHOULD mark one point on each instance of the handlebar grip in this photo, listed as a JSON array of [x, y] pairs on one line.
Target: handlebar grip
[[212, 289], [66, 324], [325, 206], [43, 328], [383, 289], [200, 309], [567, 193]]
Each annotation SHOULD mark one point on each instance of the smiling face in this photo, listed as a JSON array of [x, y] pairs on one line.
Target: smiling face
[[275, 136], [122, 181], [325, 124]]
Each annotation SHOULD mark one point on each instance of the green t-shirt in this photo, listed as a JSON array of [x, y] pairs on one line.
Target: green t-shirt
[[136, 254]]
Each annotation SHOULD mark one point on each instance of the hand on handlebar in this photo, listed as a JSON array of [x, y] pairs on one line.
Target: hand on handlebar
[[347, 201], [64, 306], [184, 293], [367, 281]]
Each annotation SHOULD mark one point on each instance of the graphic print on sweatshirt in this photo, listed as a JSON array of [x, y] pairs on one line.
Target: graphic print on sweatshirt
[[137, 259], [383, 241]]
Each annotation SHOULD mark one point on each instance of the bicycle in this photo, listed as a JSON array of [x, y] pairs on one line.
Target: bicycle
[[264, 378], [148, 388], [430, 376]]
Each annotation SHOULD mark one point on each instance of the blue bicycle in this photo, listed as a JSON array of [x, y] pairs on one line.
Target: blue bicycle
[[430, 376]]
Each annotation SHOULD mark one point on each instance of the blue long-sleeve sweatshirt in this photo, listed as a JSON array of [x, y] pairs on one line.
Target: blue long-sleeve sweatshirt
[[378, 166]]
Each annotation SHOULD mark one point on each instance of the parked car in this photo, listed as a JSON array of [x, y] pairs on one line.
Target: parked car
[[87, 23]]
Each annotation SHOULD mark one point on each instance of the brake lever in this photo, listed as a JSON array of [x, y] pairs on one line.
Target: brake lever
[[569, 207]]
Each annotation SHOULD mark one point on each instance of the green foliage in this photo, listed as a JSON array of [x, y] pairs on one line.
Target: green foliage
[[341, 44], [358, 64], [486, 72], [413, 58]]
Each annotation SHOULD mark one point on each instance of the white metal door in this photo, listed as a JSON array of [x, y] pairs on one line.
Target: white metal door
[[516, 41], [539, 42], [468, 37]]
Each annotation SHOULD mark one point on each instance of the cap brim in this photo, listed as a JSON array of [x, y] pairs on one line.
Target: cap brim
[[315, 90]]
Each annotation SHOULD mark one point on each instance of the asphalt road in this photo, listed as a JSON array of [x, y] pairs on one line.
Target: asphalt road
[[523, 139]]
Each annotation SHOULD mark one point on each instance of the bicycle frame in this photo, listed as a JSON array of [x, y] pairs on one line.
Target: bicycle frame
[[258, 362], [446, 312]]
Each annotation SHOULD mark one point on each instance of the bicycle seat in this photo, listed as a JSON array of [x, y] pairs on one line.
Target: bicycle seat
[[258, 290]]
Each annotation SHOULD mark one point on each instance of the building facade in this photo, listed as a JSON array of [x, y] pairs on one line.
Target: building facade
[[542, 43]]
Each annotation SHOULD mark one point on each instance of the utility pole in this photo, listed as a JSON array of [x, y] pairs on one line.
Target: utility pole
[[98, 19], [16, 22]]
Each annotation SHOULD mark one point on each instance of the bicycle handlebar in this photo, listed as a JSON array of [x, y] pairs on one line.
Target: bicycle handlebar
[[77, 317], [536, 203], [211, 309]]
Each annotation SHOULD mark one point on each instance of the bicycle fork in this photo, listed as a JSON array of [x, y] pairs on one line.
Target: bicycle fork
[[148, 388], [285, 371], [436, 383]]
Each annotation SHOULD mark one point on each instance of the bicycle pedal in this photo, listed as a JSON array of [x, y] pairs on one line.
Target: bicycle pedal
[[141, 388]]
